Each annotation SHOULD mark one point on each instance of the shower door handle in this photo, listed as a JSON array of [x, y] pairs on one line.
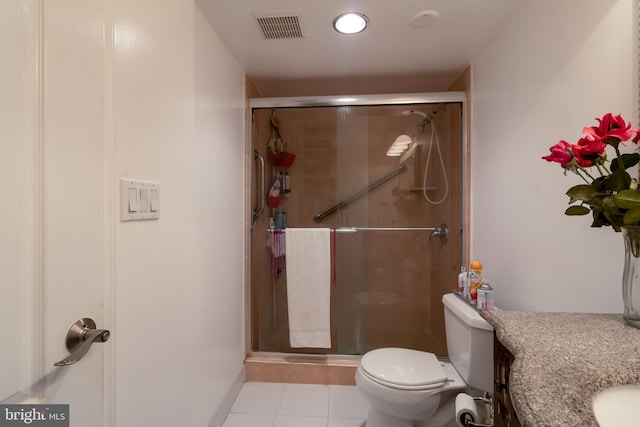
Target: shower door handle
[[442, 232], [261, 190], [81, 335]]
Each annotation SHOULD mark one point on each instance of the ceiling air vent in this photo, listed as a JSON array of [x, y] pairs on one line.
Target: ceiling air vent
[[279, 25]]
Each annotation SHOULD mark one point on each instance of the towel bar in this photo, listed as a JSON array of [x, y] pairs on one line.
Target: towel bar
[[357, 229], [442, 232]]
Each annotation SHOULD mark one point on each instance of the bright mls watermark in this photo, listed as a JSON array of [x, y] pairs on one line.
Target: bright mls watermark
[[34, 415]]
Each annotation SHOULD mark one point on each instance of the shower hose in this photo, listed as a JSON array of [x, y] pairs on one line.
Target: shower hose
[[435, 141]]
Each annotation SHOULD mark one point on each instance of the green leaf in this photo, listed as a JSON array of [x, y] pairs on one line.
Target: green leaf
[[617, 181], [598, 219], [608, 204], [577, 210], [582, 192], [597, 183], [596, 203], [611, 218], [632, 216], [630, 159], [627, 199]]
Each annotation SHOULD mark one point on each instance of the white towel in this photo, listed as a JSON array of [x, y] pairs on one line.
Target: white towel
[[308, 286]]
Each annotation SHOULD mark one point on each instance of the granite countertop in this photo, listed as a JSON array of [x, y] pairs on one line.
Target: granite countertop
[[562, 360]]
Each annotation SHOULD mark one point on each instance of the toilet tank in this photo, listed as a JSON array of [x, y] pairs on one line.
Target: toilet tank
[[469, 342]]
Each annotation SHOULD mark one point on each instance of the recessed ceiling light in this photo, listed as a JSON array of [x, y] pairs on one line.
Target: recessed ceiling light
[[350, 23]]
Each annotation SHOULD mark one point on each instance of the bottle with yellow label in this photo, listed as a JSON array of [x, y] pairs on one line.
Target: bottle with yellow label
[[475, 278]]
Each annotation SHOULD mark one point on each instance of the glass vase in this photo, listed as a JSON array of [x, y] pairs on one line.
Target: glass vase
[[631, 275]]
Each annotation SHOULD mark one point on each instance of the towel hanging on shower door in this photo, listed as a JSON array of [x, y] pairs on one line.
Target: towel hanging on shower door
[[308, 287]]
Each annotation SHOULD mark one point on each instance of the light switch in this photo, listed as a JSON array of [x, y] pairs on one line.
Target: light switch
[[153, 199], [139, 200], [143, 206], [132, 194]]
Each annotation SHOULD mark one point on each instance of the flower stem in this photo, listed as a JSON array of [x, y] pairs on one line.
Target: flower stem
[[578, 170]]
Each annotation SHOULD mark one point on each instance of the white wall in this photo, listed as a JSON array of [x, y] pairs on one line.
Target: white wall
[[178, 114], [554, 68]]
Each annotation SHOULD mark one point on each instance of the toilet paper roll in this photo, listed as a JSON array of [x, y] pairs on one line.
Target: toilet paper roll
[[466, 408]]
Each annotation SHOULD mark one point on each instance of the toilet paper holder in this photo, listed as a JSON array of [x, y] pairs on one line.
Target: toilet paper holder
[[468, 421]]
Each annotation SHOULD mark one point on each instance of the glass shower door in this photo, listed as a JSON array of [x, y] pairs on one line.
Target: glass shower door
[[389, 275]]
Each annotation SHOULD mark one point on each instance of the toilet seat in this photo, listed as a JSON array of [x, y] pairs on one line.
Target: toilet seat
[[403, 369]]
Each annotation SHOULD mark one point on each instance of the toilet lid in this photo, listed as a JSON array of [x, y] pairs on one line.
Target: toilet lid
[[401, 367]]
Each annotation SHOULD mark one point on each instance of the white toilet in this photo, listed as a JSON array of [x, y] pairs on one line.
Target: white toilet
[[407, 388]]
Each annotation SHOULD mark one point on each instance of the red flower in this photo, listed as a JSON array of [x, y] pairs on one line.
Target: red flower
[[588, 149], [560, 153], [611, 126]]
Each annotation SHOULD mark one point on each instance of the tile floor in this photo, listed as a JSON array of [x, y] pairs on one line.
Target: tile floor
[[294, 405]]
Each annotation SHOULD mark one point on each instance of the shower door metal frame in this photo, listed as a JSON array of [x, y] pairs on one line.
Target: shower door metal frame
[[368, 100], [358, 100]]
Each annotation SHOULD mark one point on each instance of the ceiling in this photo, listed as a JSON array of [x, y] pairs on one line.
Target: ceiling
[[391, 55]]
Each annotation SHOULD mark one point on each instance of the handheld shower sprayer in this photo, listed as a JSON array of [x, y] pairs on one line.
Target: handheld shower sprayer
[[428, 120]]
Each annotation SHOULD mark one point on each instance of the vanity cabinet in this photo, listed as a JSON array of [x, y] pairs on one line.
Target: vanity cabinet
[[504, 414]]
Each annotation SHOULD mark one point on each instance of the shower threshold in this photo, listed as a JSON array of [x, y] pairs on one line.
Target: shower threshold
[[301, 368]]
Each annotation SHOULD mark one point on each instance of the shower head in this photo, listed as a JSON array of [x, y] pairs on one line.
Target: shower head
[[426, 118], [420, 113], [404, 145]]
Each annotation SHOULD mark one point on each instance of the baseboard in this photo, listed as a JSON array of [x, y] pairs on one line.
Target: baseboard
[[301, 369], [227, 403]]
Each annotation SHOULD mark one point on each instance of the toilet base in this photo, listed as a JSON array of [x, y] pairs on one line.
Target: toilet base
[[378, 418], [444, 416]]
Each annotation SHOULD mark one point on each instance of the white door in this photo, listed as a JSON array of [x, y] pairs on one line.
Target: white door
[[56, 254]]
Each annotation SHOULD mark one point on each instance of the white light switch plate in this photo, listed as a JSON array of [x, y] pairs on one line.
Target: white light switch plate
[[139, 200]]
